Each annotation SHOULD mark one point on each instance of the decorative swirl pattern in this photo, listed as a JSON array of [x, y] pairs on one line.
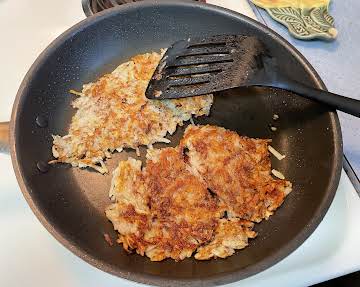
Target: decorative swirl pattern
[[305, 19]]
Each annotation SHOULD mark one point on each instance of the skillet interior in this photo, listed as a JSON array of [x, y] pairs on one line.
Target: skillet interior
[[70, 202]]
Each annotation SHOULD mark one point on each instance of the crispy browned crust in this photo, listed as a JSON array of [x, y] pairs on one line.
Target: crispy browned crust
[[182, 214], [180, 203], [198, 198], [237, 169], [113, 113], [230, 234]]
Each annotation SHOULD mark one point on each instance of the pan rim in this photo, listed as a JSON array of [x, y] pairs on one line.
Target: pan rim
[[152, 279]]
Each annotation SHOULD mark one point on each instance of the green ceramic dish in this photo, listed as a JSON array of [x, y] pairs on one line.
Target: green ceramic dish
[[305, 19]]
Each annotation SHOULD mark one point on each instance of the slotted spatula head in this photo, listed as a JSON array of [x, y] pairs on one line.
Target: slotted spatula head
[[199, 66]]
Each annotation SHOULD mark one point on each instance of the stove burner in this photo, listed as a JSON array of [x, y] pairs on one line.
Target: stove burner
[[91, 7]]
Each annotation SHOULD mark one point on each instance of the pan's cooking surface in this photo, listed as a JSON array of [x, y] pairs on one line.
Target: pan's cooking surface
[[70, 202]]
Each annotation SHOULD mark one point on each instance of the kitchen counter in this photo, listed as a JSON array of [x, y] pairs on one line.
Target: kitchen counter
[[337, 62], [31, 256]]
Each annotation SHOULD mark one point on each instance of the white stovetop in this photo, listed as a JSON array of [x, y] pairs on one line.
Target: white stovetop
[[31, 256]]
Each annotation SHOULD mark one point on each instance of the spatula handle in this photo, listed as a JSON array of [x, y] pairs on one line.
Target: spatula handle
[[344, 104]]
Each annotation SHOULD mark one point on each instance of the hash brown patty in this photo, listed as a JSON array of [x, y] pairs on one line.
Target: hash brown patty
[[163, 210], [237, 169], [199, 198], [113, 113]]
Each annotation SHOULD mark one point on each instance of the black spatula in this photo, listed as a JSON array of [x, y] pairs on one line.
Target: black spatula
[[199, 66]]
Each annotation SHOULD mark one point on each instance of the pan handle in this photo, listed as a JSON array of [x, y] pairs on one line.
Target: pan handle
[[4, 137]]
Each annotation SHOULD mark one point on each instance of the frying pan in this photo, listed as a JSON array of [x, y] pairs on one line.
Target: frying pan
[[70, 202]]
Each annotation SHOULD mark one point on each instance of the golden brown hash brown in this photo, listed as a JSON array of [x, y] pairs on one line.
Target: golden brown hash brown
[[171, 208], [237, 169], [113, 113], [164, 210], [230, 234]]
